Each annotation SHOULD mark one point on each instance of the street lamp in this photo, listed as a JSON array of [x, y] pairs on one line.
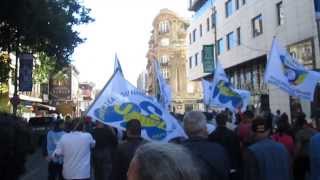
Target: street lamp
[[214, 24]]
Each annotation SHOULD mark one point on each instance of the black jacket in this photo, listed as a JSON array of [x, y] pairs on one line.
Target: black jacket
[[211, 159], [123, 157], [230, 141]]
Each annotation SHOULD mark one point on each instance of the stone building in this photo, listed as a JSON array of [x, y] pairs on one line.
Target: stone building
[[168, 45]]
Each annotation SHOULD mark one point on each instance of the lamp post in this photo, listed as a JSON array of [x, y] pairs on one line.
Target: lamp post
[[214, 24]]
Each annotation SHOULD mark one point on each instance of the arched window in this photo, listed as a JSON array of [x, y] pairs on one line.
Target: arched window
[[164, 59], [164, 26]]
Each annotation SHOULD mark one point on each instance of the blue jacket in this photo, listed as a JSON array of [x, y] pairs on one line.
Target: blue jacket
[[315, 157], [272, 160], [53, 138]]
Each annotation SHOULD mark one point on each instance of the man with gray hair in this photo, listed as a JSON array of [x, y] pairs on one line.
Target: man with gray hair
[[211, 158], [162, 161]]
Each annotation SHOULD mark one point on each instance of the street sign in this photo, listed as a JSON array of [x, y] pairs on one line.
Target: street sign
[[208, 58], [25, 72]]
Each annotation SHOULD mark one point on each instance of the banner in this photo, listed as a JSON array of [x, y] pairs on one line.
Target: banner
[[225, 95], [208, 58], [287, 74], [25, 72], [164, 96], [119, 102]]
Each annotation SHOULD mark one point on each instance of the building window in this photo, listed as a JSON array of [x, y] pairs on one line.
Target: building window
[[164, 26], [208, 24], [228, 8], [213, 20], [238, 36], [196, 59], [200, 29], [165, 73], [190, 38], [237, 4], [164, 59], [280, 13], [231, 42], [194, 34], [257, 26], [220, 46], [317, 5], [190, 62], [243, 2]]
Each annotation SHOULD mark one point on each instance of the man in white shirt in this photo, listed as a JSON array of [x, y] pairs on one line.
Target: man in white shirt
[[75, 147]]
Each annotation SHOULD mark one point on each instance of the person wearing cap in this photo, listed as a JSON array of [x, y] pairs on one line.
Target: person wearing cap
[[265, 159]]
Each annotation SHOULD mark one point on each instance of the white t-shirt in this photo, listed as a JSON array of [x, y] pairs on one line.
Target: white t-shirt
[[75, 148]]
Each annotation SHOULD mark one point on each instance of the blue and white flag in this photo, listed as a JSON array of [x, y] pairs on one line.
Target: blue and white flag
[[117, 64], [120, 102], [225, 95], [164, 89], [287, 74], [207, 91]]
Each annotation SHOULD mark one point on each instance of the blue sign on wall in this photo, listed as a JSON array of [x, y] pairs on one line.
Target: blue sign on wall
[[25, 72]]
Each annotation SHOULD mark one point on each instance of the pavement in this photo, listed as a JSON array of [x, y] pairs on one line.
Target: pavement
[[36, 167]]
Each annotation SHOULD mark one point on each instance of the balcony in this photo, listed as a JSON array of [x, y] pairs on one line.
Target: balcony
[[195, 5]]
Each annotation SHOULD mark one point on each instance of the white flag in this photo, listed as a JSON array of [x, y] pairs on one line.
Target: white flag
[[165, 91], [225, 95], [287, 74], [119, 102]]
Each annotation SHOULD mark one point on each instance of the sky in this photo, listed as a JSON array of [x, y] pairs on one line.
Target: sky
[[122, 27]]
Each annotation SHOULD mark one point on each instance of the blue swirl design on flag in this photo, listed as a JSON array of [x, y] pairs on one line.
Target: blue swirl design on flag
[[154, 125], [225, 93], [294, 75]]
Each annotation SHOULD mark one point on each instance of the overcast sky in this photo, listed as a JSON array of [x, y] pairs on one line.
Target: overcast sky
[[122, 27]]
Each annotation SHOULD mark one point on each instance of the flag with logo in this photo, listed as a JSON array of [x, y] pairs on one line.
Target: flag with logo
[[287, 74], [164, 96], [119, 102], [225, 95]]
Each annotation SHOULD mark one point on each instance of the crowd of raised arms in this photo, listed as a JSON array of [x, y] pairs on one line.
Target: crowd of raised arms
[[260, 146]]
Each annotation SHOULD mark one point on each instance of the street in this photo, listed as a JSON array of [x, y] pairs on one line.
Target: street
[[36, 167]]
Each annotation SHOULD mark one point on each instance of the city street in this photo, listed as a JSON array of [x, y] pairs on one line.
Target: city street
[[36, 167]]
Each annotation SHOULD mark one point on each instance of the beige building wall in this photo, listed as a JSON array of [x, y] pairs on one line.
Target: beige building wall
[[168, 45]]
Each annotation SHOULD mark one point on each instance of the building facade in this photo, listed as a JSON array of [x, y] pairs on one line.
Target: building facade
[[168, 45], [142, 81], [64, 91], [242, 31]]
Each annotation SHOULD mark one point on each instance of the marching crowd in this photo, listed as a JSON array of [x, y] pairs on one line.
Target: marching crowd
[[261, 147]]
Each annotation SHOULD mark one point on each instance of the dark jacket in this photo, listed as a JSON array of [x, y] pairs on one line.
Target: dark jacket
[[230, 141], [105, 138], [123, 157], [211, 158], [266, 160]]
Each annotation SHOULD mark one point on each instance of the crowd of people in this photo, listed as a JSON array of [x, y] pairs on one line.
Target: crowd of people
[[261, 147]]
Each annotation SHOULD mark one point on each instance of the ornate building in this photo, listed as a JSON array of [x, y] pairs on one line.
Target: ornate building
[[168, 45]]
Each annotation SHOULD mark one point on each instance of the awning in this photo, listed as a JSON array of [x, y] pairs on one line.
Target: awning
[[29, 98], [50, 108]]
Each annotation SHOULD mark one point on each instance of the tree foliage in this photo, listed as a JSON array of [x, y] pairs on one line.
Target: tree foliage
[[42, 26], [44, 68]]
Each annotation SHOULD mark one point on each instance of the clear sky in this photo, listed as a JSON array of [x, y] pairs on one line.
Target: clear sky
[[122, 27]]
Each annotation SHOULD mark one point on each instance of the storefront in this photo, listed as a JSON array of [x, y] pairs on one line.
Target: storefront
[[250, 76]]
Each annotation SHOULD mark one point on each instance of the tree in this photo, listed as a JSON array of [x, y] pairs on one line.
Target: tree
[[42, 26], [44, 68]]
